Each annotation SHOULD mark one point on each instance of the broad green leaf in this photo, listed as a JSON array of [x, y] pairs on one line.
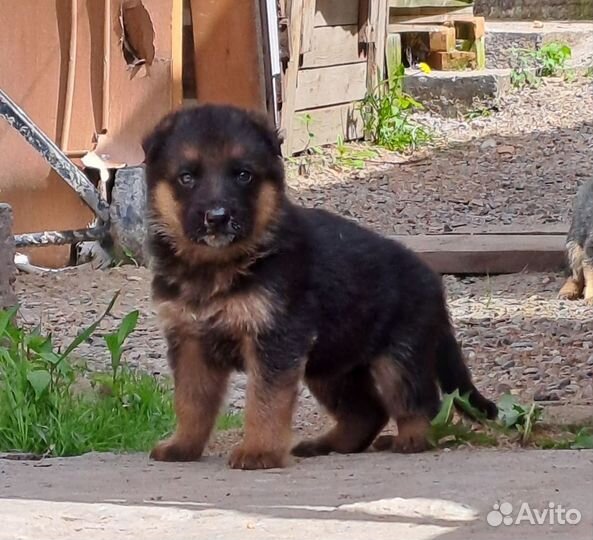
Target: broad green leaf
[[39, 381], [6, 318], [127, 326], [583, 440], [445, 414]]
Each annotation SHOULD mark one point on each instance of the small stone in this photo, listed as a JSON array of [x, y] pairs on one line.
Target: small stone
[[563, 382], [503, 388], [522, 345], [506, 149], [542, 394], [538, 24], [572, 389], [531, 371], [487, 144]]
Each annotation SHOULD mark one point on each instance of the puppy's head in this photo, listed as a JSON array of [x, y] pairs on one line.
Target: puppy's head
[[215, 179]]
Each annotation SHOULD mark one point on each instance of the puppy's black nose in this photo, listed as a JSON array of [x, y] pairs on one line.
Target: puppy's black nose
[[216, 217]]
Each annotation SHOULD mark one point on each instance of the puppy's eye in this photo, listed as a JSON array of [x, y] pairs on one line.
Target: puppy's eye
[[186, 180], [244, 177]]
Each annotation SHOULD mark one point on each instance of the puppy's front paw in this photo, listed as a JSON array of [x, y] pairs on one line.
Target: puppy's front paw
[[173, 450], [251, 459]]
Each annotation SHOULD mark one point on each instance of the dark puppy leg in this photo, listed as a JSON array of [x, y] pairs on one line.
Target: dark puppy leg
[[573, 287], [355, 404], [412, 400], [271, 398], [199, 389], [588, 270]]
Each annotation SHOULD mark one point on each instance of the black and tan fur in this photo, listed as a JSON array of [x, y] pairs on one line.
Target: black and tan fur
[[579, 248], [246, 280]]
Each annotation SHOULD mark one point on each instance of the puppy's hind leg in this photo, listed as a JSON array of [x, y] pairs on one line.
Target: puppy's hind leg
[[588, 270], [574, 285], [412, 400], [354, 402]]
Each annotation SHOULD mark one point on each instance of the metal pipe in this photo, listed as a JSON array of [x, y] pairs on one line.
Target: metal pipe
[[58, 161], [56, 238]]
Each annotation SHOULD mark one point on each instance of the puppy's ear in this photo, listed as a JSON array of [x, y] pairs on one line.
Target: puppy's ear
[[266, 127], [154, 141]]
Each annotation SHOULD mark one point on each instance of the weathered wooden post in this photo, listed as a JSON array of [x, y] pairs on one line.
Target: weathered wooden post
[[7, 268]]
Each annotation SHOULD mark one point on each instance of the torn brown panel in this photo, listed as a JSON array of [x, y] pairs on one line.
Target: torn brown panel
[[139, 94], [228, 52]]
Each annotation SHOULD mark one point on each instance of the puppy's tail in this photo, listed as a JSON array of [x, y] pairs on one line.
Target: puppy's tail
[[453, 375]]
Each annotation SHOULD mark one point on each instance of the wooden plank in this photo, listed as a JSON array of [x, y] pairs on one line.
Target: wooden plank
[[443, 40], [428, 3], [549, 229], [489, 254], [430, 15], [452, 61], [308, 25], [393, 53], [381, 37], [334, 45], [471, 28], [336, 12], [479, 47], [416, 28], [376, 52], [330, 85], [326, 125], [290, 76], [228, 53], [177, 53]]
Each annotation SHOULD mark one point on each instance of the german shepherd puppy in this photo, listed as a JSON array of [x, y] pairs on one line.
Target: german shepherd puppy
[[579, 247], [246, 280]]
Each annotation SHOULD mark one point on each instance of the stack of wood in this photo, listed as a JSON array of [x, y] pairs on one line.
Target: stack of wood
[[444, 34]]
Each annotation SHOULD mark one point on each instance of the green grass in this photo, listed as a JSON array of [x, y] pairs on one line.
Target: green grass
[[529, 66], [49, 405]]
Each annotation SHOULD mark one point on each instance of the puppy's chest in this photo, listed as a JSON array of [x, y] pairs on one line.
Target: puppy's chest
[[195, 310]]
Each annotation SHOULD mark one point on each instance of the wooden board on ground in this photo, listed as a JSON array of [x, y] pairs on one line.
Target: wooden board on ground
[[329, 85], [488, 254], [550, 229], [333, 45], [336, 12], [326, 125]]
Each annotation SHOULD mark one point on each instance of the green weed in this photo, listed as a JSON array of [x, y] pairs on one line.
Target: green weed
[[529, 66], [353, 158], [43, 411], [516, 423], [386, 115]]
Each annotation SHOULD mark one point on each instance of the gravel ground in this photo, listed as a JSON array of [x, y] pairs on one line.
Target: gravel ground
[[520, 166]]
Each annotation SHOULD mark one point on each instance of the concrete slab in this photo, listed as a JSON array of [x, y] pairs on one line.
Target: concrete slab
[[451, 92], [437, 495]]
